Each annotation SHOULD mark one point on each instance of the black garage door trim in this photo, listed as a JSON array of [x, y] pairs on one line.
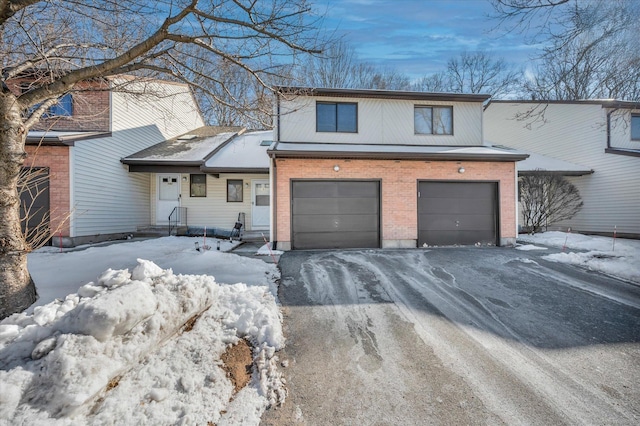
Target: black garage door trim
[[458, 212], [329, 214]]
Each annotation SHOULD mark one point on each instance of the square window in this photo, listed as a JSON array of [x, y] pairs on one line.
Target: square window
[[234, 191], [337, 117], [433, 120], [635, 127], [198, 185]]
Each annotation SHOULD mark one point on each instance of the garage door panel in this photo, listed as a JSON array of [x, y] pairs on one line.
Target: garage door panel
[[339, 223], [354, 206], [335, 214], [315, 240], [466, 190], [457, 213], [457, 223], [455, 206]]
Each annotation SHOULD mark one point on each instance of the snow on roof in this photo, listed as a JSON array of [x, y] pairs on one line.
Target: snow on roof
[[201, 143], [245, 151], [395, 151], [539, 163], [62, 137]]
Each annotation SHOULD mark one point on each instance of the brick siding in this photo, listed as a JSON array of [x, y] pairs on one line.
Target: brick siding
[[56, 158], [398, 188]]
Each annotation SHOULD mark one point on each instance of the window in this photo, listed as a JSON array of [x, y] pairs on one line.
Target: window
[[337, 117], [198, 186], [433, 120], [234, 191], [63, 108], [635, 127]]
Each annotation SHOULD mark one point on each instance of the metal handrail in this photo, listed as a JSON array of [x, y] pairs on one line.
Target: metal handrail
[[177, 217]]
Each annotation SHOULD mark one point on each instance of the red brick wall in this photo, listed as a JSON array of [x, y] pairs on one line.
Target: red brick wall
[[399, 188], [56, 158], [91, 108]]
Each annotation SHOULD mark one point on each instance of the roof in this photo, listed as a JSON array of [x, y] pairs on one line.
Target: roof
[[538, 163], [67, 138], [245, 153], [393, 152], [192, 148], [605, 103], [383, 94]]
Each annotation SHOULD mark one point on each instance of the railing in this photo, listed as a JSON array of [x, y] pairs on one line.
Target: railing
[[177, 217]]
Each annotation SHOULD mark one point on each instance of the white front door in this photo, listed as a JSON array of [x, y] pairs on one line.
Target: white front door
[[168, 197], [260, 204]]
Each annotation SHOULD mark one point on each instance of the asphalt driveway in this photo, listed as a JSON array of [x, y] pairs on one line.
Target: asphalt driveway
[[455, 336]]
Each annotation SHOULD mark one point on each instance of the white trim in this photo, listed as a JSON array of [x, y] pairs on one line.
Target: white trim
[[271, 199], [72, 195], [253, 204], [178, 176]]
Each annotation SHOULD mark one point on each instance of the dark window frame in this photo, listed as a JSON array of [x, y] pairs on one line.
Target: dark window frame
[[432, 107], [337, 117], [192, 183], [240, 184], [637, 136]]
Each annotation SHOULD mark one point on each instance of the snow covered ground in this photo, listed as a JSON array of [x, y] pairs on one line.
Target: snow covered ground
[[619, 258], [107, 340]]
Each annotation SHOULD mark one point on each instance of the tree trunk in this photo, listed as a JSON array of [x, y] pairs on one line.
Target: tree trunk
[[17, 290]]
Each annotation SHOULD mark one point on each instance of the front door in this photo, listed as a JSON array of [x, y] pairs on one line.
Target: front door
[[168, 196], [260, 204]]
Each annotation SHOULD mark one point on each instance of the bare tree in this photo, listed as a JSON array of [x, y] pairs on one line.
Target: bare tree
[[340, 67], [547, 199], [58, 45], [474, 72], [591, 48]]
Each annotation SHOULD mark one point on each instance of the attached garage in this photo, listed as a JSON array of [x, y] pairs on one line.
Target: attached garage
[[34, 203], [459, 212], [335, 214]]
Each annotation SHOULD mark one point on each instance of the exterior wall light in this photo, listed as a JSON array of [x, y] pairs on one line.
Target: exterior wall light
[[336, 168], [461, 170]]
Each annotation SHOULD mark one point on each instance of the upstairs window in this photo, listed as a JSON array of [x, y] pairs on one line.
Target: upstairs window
[[635, 127], [433, 120], [64, 107], [337, 117], [198, 186]]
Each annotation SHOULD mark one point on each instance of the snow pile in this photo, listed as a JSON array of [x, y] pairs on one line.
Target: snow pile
[[620, 259], [266, 250], [529, 247], [115, 350]]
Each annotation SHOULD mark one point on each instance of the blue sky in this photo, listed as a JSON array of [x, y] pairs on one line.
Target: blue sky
[[417, 37]]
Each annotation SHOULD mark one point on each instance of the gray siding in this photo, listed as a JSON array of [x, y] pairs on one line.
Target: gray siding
[[106, 198], [577, 133], [380, 121]]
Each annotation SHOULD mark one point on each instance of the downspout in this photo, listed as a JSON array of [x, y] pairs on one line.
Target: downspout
[[274, 180], [609, 127]]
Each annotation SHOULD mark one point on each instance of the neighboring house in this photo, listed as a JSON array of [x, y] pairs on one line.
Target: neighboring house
[[89, 195], [599, 144], [209, 177], [374, 168]]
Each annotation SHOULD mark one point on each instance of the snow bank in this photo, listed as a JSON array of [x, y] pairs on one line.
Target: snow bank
[[619, 258], [58, 362]]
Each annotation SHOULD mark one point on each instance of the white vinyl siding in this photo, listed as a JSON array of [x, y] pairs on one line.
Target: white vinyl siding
[[214, 210], [577, 133], [380, 121], [107, 198]]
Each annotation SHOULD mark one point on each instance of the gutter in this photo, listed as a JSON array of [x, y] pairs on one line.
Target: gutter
[[274, 153]]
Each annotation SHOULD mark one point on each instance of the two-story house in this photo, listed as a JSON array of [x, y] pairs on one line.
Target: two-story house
[[376, 168], [84, 191], [602, 136]]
